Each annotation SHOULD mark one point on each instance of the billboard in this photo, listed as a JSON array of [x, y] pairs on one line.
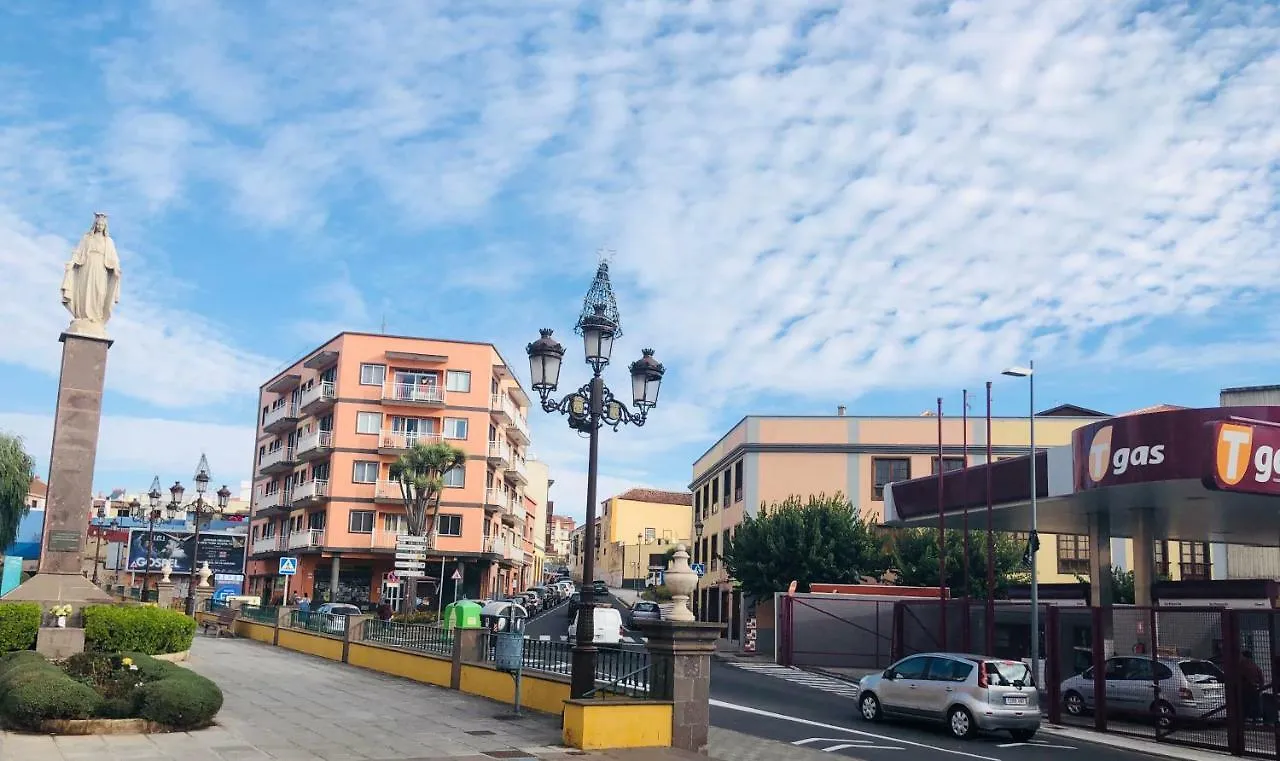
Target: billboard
[[223, 552], [30, 532]]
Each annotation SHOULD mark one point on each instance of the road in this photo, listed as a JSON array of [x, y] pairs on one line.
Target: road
[[767, 706]]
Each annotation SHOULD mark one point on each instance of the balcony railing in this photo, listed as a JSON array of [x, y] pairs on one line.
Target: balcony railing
[[388, 491], [266, 544], [500, 451], [280, 458], [398, 440], [496, 497], [1195, 571], [495, 545], [516, 470], [509, 414], [312, 537], [285, 413], [315, 489], [268, 500], [318, 395], [314, 444], [413, 393]]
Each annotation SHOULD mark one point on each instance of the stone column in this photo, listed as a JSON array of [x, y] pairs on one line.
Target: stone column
[[1100, 575], [335, 570], [680, 671], [1143, 557], [202, 597], [164, 594]]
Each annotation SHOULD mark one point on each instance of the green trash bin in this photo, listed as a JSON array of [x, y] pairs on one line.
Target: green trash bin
[[463, 614]]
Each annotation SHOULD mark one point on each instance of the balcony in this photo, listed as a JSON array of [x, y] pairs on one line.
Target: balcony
[[314, 445], [318, 398], [499, 453], [506, 413], [515, 471], [494, 545], [309, 492], [413, 394], [395, 442], [268, 501], [266, 544], [280, 418], [509, 517], [307, 539], [495, 500], [388, 492], [278, 460]]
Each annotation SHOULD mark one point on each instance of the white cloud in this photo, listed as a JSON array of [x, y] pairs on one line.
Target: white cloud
[[167, 448]]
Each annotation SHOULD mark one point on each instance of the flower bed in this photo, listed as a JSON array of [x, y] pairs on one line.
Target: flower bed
[[41, 695]]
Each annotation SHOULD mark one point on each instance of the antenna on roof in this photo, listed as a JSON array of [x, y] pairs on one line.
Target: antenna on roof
[[384, 323]]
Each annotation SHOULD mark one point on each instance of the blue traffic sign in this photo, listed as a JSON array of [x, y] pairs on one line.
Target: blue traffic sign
[[698, 568], [288, 566]]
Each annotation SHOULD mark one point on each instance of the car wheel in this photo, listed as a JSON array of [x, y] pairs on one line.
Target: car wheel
[[1165, 715], [960, 722], [869, 707], [1022, 735], [1074, 703]]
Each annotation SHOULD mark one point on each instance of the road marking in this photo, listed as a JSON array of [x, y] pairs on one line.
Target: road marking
[[1035, 744], [809, 722], [843, 743], [799, 676]]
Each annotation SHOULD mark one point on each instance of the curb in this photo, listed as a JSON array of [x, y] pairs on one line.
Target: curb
[[1153, 749]]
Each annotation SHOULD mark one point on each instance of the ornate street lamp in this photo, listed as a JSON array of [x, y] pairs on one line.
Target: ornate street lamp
[[151, 514], [593, 405], [200, 511], [697, 545]]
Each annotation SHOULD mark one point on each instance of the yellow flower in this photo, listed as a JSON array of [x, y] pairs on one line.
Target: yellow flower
[[126, 661]]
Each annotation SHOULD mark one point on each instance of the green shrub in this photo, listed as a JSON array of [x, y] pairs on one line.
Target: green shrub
[[119, 628], [423, 617], [659, 593], [19, 658], [154, 669], [187, 701], [19, 623], [42, 694]]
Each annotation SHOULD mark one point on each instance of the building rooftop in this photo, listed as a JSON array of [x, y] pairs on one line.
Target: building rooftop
[[657, 495], [1153, 408], [38, 488]]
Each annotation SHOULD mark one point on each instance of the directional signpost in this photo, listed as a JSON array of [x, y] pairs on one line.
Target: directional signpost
[[411, 556]]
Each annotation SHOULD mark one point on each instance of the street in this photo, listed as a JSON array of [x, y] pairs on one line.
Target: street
[[769, 707]]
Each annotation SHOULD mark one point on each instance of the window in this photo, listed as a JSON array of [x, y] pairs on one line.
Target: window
[[697, 503], [715, 551], [650, 534], [368, 422], [457, 380], [373, 375], [365, 472], [393, 523], [1193, 561], [715, 495], [737, 480], [456, 477], [360, 521], [1073, 553], [949, 464], [912, 668], [886, 470], [449, 525], [1160, 558], [455, 428], [315, 521], [948, 670]]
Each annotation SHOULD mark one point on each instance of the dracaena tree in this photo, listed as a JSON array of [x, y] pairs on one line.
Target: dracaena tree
[[420, 473], [17, 470]]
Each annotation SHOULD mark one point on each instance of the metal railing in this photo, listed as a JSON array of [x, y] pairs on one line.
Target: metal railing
[[314, 441], [313, 537], [429, 638], [288, 410], [281, 455], [547, 656], [321, 623], [633, 684], [266, 544], [324, 390], [413, 392], [314, 489], [263, 614], [619, 671], [407, 439]]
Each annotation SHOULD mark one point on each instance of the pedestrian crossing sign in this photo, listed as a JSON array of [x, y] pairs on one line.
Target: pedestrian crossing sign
[[699, 569], [288, 566]]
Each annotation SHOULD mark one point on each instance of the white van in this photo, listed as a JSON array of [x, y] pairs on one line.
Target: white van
[[608, 626]]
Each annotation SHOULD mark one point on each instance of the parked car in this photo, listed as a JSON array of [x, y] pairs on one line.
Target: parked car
[[575, 602], [1190, 689], [600, 588], [645, 611], [607, 625], [535, 598], [969, 692], [334, 617]]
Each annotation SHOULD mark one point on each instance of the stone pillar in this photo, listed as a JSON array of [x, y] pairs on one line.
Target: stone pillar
[[680, 671], [202, 598], [468, 647], [1143, 557], [354, 632], [1100, 575], [164, 594], [335, 570]]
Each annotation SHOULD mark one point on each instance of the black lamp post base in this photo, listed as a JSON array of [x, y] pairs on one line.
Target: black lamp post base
[[583, 671]]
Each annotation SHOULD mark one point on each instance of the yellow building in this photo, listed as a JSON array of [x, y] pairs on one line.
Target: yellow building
[[634, 531], [765, 459]]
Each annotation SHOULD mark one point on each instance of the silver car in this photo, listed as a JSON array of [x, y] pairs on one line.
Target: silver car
[[971, 693], [1189, 689]]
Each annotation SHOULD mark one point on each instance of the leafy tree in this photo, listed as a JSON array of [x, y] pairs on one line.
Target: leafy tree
[[915, 560], [17, 470], [1122, 590], [420, 472], [823, 540]]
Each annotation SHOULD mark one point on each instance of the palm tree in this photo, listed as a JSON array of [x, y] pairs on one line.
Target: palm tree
[[420, 472], [17, 469]]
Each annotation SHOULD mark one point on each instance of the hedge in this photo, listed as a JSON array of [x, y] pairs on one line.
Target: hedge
[[32, 690], [136, 628], [19, 623]]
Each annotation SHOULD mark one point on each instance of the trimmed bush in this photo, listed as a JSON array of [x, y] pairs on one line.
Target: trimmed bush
[[186, 701], [19, 658], [37, 690], [121, 628], [19, 622]]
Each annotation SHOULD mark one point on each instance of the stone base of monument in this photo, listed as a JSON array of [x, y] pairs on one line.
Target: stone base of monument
[[57, 643]]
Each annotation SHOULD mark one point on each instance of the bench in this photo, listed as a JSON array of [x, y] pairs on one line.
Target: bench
[[225, 622]]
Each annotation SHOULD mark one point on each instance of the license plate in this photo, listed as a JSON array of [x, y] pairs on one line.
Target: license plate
[[1015, 700]]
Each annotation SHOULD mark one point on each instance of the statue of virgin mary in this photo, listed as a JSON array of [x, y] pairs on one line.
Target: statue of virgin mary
[[91, 282]]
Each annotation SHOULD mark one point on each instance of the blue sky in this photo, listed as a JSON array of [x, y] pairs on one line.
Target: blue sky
[[870, 203]]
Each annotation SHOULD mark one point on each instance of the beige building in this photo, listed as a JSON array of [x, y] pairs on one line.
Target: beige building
[[535, 523], [559, 530]]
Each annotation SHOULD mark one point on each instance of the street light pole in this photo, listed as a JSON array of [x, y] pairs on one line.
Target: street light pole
[[97, 550], [1029, 372], [697, 543], [588, 409]]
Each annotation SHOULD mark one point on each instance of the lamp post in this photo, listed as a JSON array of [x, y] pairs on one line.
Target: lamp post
[[150, 515], [1029, 372], [697, 543], [200, 509], [639, 539], [97, 550], [593, 405]]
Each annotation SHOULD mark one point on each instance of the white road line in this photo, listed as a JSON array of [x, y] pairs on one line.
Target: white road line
[[860, 746], [808, 722], [1035, 744], [843, 743]]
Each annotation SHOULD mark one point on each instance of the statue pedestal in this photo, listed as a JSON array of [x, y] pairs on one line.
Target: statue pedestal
[[57, 644], [680, 653], [164, 594]]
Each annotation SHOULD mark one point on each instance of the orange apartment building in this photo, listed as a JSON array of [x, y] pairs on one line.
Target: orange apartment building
[[329, 428]]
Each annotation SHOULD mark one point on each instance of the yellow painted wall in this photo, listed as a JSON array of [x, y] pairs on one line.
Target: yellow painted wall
[[313, 644], [731, 440], [538, 693], [420, 668], [601, 724], [255, 631]]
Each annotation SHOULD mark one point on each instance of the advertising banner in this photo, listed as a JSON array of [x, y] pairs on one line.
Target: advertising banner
[[223, 552], [1246, 458]]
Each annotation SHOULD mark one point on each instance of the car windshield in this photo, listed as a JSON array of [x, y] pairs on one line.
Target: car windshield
[[1007, 673], [646, 606], [1202, 671], [344, 610]]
